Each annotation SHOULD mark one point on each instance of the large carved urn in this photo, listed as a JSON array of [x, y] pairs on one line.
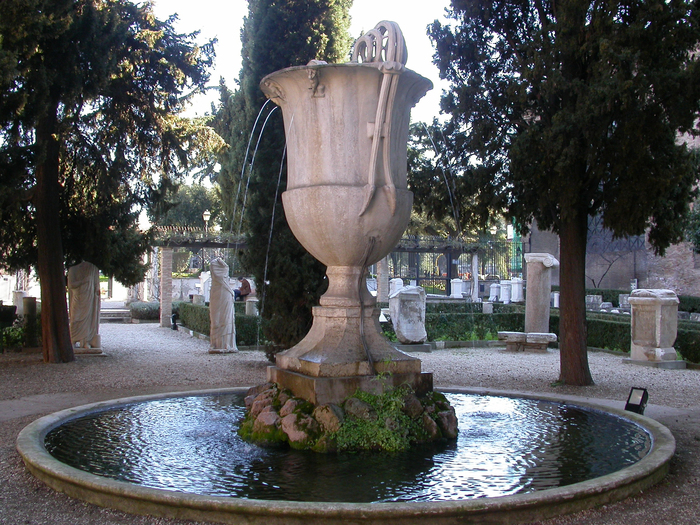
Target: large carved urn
[[347, 202]]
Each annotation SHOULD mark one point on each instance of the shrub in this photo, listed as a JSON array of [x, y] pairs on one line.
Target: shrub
[[196, 317], [145, 311], [464, 327], [613, 335], [688, 344], [12, 337], [688, 303]]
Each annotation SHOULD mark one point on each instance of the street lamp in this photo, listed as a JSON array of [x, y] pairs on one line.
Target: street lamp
[[206, 216]]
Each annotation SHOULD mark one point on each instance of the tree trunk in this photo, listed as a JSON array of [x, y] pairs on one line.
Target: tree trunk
[[572, 311], [55, 330]]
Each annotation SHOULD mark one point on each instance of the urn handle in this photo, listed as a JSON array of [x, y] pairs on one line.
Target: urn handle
[[386, 46]]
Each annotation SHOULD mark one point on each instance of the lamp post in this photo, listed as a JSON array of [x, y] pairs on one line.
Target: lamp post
[[206, 216]]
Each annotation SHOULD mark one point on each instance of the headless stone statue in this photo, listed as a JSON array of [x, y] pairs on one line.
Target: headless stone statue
[[222, 334], [84, 304]]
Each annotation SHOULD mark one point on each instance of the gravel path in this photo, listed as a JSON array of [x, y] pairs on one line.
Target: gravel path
[[144, 358]]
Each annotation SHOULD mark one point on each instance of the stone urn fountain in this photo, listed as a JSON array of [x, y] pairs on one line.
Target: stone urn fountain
[[347, 202]]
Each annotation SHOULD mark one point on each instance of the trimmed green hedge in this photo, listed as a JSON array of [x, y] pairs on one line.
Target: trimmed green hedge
[[688, 344], [196, 317], [464, 327], [609, 331], [688, 303]]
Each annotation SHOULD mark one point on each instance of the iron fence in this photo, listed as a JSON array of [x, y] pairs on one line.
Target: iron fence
[[433, 263]]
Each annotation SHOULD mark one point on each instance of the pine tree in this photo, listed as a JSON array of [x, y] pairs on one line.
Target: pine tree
[[89, 96], [573, 108], [275, 35]]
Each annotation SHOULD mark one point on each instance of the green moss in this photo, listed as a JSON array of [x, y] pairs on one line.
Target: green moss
[[391, 431], [271, 437]]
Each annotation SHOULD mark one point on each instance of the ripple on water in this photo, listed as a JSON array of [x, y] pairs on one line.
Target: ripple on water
[[505, 446]]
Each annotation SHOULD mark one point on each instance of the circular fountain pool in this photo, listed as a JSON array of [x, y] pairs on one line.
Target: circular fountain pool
[[181, 456]]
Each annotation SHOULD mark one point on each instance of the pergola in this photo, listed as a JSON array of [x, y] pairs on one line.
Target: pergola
[[170, 237]]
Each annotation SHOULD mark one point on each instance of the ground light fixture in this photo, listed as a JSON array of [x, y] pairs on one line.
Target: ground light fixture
[[637, 400]]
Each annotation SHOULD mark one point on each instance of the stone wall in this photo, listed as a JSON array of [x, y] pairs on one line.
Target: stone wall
[[678, 270]]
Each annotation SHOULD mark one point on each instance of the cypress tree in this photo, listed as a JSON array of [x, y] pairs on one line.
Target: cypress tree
[[275, 35]]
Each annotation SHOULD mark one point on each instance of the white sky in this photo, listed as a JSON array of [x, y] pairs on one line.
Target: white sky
[[223, 19]]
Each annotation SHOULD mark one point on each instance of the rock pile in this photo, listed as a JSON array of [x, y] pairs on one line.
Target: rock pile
[[392, 421]]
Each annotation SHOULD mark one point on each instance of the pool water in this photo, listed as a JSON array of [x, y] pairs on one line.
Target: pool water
[[505, 446]]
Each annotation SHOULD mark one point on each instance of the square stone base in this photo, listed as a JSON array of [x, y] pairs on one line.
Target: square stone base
[[322, 390], [668, 365]]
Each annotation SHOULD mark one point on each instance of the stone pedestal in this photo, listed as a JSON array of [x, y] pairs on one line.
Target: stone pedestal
[[17, 299], [332, 360], [251, 306], [539, 288], [505, 292], [456, 288], [654, 326], [555, 299], [516, 290], [323, 390], [494, 292], [407, 310], [475, 278]]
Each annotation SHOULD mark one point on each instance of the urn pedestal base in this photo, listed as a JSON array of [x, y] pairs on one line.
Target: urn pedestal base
[[322, 390], [331, 362]]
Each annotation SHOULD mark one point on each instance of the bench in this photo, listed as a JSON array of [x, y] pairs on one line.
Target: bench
[[526, 342]]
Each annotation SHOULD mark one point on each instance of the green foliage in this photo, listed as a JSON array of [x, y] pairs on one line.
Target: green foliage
[[563, 104], [375, 434], [465, 327], [106, 80], [144, 311], [275, 35], [688, 344], [196, 317], [13, 336], [186, 206], [609, 334], [90, 93], [688, 303], [561, 111]]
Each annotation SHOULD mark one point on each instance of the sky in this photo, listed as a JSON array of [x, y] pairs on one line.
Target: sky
[[222, 19]]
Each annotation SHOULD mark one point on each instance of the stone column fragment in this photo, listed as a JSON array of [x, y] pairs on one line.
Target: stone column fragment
[[166, 286], [539, 288]]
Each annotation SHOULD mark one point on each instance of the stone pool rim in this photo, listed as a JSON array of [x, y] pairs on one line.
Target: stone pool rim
[[532, 506]]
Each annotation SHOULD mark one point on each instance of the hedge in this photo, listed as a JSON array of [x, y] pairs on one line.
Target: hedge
[[609, 331], [688, 303], [461, 327], [196, 317]]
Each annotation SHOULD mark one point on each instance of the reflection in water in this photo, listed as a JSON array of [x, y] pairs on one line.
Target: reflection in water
[[505, 446]]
